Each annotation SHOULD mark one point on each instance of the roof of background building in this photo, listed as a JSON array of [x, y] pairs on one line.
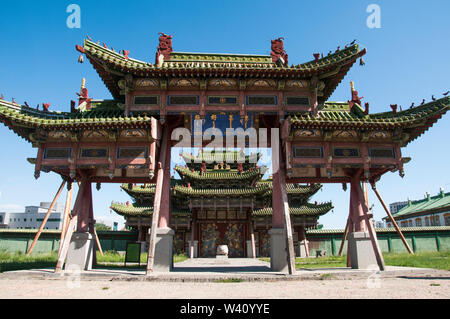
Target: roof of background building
[[429, 204]]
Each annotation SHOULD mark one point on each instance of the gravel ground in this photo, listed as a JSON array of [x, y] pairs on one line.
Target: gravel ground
[[413, 287]]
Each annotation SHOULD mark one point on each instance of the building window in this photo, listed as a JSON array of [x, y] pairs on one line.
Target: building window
[[419, 222], [447, 219], [146, 100], [261, 100], [437, 221], [382, 152], [427, 221], [183, 100], [297, 100], [308, 152], [410, 223]]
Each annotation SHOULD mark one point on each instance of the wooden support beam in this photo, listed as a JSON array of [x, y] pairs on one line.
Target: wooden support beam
[[392, 220], [71, 226], [157, 200], [344, 238], [67, 210], [38, 234], [97, 240]]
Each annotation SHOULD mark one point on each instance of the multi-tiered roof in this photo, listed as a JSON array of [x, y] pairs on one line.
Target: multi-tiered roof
[[222, 184]]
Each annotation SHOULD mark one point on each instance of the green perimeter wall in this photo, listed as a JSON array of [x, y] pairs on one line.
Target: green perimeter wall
[[14, 240], [419, 239]]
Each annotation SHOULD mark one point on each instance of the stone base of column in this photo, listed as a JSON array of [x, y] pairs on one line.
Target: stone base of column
[[303, 248], [249, 249], [80, 253], [144, 246], [278, 250], [361, 251], [195, 253], [164, 250]]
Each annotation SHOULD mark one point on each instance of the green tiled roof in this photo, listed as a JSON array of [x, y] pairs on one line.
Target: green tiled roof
[[219, 157], [382, 230], [139, 189], [431, 204], [214, 61], [112, 65], [103, 114], [262, 188], [183, 190], [338, 114], [219, 57], [136, 210], [304, 210], [220, 174]]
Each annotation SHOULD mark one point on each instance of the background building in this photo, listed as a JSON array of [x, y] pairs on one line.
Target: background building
[[33, 216], [395, 207], [430, 211]]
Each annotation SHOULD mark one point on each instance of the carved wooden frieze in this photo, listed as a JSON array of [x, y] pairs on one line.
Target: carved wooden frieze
[[133, 133], [183, 83], [345, 135], [380, 136], [95, 135], [58, 135], [222, 84], [261, 84], [147, 83], [307, 133], [296, 84]]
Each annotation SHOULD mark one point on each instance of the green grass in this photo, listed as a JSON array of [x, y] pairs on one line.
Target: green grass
[[111, 256], [435, 260], [110, 259], [20, 261]]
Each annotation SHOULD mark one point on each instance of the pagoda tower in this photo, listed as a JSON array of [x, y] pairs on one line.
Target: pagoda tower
[[221, 199]]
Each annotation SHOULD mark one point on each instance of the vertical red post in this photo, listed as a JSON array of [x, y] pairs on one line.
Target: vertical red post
[[83, 206], [164, 215]]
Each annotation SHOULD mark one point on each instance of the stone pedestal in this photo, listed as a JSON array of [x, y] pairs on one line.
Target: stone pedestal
[[303, 248], [144, 246], [195, 253], [361, 251], [80, 253], [278, 252], [163, 250], [249, 249]]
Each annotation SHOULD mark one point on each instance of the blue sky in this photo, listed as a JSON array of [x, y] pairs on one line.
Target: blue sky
[[407, 61]]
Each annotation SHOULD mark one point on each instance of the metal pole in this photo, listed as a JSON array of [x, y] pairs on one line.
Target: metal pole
[[392, 219], [46, 217]]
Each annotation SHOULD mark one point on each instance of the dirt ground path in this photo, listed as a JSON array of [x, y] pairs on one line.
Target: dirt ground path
[[419, 287]]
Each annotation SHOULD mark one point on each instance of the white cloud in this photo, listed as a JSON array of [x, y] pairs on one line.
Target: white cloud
[[12, 208]]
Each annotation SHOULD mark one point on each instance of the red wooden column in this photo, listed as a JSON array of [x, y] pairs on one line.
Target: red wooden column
[[360, 221], [356, 204], [161, 205], [164, 214], [282, 248], [83, 206]]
